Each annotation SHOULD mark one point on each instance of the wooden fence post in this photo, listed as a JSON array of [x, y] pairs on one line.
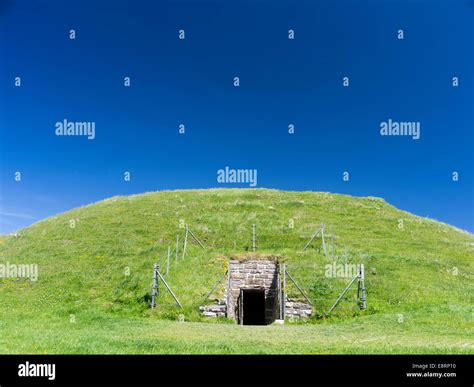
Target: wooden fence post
[[342, 295], [284, 291], [185, 241], [322, 240], [169, 289], [254, 237], [177, 247], [298, 287], [154, 287], [332, 235], [312, 237], [361, 288], [196, 238]]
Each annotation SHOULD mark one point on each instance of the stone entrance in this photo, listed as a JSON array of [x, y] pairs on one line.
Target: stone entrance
[[253, 293]]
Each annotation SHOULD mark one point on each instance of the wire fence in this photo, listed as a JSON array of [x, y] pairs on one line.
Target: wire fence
[[322, 277], [323, 285]]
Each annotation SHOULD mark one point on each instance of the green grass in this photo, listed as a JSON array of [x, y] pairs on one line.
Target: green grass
[[93, 291]]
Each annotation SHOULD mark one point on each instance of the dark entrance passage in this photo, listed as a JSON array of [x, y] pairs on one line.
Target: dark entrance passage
[[252, 307]]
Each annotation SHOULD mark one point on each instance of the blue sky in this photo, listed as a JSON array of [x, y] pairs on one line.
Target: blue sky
[[190, 81]]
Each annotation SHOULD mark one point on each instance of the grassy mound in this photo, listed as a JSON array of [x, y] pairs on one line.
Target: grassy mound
[[96, 264]]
